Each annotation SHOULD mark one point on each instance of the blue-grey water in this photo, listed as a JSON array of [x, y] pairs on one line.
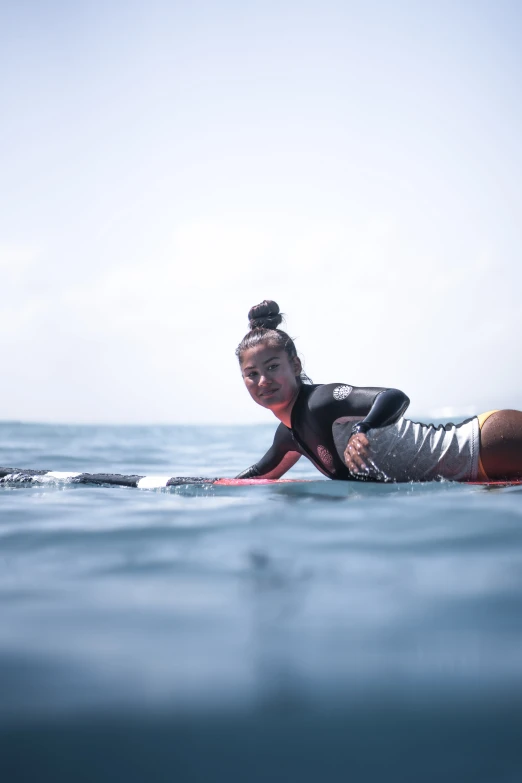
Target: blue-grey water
[[321, 631]]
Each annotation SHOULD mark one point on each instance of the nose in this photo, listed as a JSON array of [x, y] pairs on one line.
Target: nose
[[263, 381]]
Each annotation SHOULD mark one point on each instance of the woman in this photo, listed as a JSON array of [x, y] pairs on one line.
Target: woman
[[360, 433]]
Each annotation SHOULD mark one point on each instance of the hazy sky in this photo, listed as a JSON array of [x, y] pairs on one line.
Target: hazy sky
[[165, 165]]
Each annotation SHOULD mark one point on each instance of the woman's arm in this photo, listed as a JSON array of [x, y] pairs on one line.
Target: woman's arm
[[363, 408], [279, 458], [388, 406], [375, 406]]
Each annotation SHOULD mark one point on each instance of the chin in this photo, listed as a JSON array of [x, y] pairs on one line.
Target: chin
[[264, 403]]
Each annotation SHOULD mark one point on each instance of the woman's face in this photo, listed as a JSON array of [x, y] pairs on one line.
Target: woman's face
[[270, 376]]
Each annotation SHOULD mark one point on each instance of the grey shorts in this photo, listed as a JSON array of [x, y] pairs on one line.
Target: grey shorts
[[411, 451]]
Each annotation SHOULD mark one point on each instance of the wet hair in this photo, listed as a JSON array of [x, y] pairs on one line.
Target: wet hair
[[263, 320]]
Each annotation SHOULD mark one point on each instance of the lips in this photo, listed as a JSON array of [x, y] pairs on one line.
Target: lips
[[268, 393]]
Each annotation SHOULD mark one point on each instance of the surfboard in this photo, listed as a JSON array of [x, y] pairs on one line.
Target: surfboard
[[26, 476]]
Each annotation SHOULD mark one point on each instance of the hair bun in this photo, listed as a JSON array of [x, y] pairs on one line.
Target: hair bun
[[265, 315]]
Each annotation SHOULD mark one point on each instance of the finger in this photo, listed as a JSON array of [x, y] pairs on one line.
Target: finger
[[359, 449], [354, 461], [361, 465], [360, 440]]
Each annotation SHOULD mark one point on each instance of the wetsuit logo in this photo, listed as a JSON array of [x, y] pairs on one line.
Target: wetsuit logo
[[341, 392], [326, 458]]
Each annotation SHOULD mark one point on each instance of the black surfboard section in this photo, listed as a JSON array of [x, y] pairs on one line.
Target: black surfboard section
[[25, 476]]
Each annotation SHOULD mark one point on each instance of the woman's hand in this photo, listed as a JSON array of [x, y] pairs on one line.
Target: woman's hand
[[356, 453]]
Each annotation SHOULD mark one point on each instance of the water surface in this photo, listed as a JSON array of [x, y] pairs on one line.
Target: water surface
[[308, 632]]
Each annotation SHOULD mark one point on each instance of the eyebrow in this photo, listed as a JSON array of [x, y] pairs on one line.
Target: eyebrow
[[252, 366]]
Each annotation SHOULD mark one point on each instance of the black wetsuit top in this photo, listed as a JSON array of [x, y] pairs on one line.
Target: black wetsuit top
[[322, 420]]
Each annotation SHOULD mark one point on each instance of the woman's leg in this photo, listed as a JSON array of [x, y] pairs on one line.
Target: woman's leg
[[501, 445]]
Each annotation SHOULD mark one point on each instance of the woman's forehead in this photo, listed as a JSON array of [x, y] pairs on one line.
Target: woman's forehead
[[260, 354]]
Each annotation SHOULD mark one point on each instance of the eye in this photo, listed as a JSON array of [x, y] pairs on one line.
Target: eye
[[251, 374], [273, 366]]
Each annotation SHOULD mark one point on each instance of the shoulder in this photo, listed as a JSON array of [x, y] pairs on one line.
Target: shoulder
[[328, 393]]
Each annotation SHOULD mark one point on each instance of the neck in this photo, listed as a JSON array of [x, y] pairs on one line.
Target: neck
[[285, 414]]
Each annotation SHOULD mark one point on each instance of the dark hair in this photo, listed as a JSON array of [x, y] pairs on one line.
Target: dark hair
[[263, 320]]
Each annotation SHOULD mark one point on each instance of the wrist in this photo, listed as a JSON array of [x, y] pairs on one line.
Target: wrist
[[360, 426]]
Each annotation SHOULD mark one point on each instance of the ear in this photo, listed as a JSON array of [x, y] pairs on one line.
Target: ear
[[297, 366]]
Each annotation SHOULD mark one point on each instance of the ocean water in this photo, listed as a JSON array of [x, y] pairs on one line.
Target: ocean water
[[321, 631]]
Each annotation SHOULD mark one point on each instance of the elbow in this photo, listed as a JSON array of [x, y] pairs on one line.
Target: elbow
[[403, 402], [252, 472], [396, 403]]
